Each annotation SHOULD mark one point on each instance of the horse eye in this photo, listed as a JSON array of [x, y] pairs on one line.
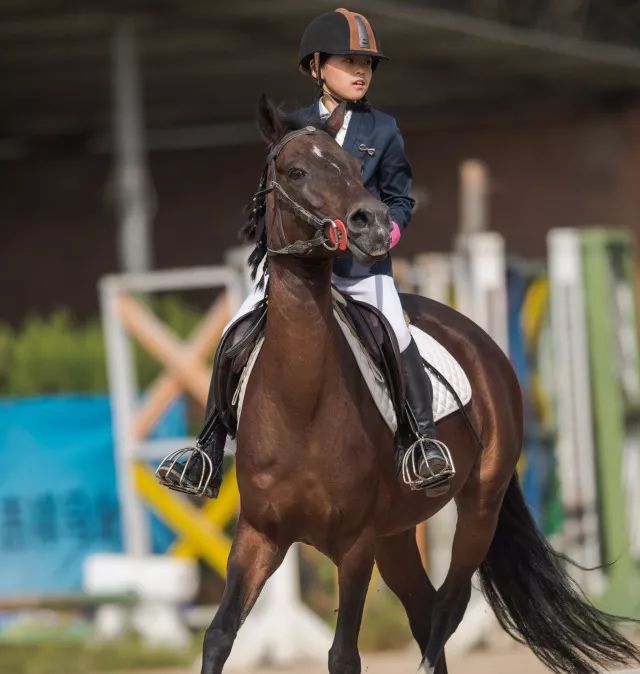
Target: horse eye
[[296, 173]]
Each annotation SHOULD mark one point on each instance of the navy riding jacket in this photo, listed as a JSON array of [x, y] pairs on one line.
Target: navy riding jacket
[[386, 173]]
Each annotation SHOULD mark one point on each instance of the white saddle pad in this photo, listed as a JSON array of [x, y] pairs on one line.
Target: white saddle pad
[[432, 351]]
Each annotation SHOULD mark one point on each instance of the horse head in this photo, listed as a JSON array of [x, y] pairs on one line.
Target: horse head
[[314, 195]]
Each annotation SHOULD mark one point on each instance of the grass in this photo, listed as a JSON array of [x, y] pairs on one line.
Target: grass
[[384, 628], [59, 657]]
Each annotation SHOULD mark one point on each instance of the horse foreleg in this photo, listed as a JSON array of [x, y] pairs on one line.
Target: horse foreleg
[[400, 566], [354, 573], [253, 558]]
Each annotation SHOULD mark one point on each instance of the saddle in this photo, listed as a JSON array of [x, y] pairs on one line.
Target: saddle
[[365, 321], [232, 356]]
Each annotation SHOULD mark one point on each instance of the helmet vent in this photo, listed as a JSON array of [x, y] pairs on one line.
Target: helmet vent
[[363, 35]]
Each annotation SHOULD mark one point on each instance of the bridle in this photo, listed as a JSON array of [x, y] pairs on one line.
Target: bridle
[[330, 234]]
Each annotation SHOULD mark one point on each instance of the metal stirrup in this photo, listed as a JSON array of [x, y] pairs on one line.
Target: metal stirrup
[[173, 468], [416, 456]]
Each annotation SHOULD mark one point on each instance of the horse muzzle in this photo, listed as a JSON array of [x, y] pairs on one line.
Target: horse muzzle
[[370, 246], [364, 256]]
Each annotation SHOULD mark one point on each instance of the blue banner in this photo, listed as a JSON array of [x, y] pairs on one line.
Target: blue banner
[[58, 499]]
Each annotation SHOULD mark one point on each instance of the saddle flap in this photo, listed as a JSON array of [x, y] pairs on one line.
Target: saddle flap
[[232, 355], [379, 340], [240, 339]]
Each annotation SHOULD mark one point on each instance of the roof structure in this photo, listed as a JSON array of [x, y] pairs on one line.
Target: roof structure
[[203, 63]]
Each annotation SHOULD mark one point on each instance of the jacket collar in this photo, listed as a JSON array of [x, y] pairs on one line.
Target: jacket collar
[[351, 137]]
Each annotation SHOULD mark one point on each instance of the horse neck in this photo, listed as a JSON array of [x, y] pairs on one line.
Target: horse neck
[[301, 331]]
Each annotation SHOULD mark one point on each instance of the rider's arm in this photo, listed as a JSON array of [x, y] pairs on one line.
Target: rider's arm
[[394, 182]]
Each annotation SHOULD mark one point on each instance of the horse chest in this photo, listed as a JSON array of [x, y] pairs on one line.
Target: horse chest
[[308, 449]]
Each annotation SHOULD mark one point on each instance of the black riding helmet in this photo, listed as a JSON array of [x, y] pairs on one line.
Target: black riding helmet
[[339, 32]]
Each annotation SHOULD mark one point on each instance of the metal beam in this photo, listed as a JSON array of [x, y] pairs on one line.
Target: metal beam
[[134, 235], [457, 23]]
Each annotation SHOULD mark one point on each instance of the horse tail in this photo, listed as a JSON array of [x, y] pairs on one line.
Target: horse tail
[[537, 602]]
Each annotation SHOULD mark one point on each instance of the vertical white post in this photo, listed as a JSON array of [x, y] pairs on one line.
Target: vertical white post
[[474, 197], [480, 278], [576, 452], [134, 236], [479, 261], [434, 276], [236, 258], [122, 388]]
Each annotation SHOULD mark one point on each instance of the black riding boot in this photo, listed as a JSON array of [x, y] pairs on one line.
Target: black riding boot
[[427, 462], [197, 470]]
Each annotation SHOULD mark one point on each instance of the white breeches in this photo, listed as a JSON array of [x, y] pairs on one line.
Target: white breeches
[[378, 290]]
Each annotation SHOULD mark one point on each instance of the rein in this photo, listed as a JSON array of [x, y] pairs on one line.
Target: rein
[[330, 234]]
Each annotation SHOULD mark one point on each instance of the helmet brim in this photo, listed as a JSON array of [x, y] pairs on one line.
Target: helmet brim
[[304, 62]]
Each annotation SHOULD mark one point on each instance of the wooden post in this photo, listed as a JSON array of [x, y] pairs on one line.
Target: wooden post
[[186, 371], [474, 192]]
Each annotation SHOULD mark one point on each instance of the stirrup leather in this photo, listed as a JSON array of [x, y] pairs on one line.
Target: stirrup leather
[[415, 458], [173, 469]]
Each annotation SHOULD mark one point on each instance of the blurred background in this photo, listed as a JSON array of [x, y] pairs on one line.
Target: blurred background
[[128, 149]]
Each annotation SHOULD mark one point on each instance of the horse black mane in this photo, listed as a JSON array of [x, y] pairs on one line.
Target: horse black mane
[[254, 231]]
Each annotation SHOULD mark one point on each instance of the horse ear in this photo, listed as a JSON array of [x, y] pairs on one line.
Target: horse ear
[[335, 121], [270, 123]]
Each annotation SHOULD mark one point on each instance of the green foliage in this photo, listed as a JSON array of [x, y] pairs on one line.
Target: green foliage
[[6, 345], [59, 354], [53, 355], [63, 657], [385, 625]]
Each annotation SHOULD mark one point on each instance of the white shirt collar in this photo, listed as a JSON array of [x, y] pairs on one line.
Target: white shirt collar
[[323, 109]]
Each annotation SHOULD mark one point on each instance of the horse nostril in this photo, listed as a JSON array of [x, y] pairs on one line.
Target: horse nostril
[[360, 219]]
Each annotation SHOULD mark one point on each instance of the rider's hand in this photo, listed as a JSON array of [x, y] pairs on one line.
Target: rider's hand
[[395, 234]]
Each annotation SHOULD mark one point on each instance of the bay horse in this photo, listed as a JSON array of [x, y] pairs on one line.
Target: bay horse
[[315, 460]]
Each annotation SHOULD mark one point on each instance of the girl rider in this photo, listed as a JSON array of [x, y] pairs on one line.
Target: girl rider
[[340, 51]]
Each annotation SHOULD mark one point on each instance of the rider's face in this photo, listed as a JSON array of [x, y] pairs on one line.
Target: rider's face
[[348, 76]]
